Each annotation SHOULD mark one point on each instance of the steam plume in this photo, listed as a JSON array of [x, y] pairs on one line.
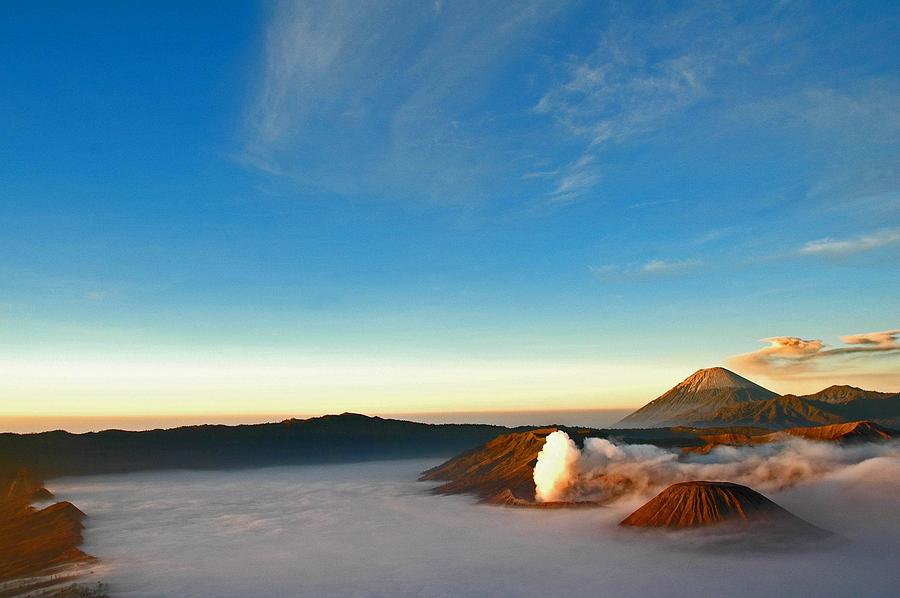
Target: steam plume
[[604, 471], [553, 470]]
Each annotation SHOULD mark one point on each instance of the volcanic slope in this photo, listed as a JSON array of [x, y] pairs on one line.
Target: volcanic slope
[[849, 432], [698, 397], [499, 472], [833, 405], [703, 504], [34, 541]]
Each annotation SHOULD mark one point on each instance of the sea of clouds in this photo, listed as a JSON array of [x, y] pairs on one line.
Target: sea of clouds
[[372, 530]]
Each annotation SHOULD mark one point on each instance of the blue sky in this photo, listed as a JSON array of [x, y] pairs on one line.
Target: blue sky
[[609, 194]]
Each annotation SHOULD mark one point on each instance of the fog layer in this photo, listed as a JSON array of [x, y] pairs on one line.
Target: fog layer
[[371, 530]]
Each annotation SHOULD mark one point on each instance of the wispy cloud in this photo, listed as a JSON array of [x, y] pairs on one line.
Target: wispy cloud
[[713, 235], [643, 73], [613, 96], [851, 135], [652, 204], [575, 179], [791, 356], [381, 97], [607, 99], [843, 247], [646, 270], [413, 99]]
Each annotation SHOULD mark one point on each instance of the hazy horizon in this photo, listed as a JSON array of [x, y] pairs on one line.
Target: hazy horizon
[[597, 418]]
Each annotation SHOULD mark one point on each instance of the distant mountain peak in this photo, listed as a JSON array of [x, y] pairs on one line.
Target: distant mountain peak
[[714, 378], [697, 397], [834, 387]]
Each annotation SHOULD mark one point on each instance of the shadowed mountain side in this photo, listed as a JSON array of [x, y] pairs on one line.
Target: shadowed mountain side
[[329, 439], [703, 504], [784, 411], [844, 433], [794, 411], [34, 541]]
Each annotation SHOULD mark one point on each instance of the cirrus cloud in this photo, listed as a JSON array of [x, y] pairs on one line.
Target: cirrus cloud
[[655, 268], [842, 247]]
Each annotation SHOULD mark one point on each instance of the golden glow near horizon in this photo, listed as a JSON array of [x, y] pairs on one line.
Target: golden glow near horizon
[[103, 386]]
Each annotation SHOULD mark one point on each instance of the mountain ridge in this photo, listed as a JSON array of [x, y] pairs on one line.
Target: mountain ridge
[[719, 397]]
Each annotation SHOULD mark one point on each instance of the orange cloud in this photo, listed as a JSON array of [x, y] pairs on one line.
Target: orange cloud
[[790, 356]]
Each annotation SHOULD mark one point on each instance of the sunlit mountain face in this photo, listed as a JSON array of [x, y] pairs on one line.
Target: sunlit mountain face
[[326, 298]]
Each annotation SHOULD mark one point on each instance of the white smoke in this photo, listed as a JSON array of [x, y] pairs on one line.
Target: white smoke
[[605, 472], [553, 470]]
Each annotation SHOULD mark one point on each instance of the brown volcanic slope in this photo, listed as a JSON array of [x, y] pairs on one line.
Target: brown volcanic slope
[[843, 393], [33, 541], [788, 410], [701, 504], [829, 406], [499, 471], [845, 432], [698, 397]]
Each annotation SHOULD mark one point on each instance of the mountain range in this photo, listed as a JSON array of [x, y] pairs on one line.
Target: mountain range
[[348, 437], [719, 397]]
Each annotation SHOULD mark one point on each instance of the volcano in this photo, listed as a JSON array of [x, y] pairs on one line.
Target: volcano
[[698, 397], [703, 504]]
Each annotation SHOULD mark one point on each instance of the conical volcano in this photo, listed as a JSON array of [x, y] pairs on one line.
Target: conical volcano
[[697, 398], [702, 504]]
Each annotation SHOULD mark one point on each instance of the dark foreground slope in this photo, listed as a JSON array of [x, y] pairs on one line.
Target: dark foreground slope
[[329, 439], [35, 541]]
